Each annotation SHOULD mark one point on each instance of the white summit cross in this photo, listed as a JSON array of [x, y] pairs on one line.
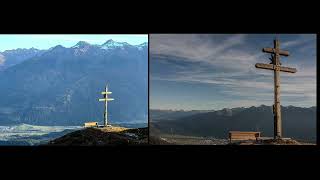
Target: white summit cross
[[106, 99]]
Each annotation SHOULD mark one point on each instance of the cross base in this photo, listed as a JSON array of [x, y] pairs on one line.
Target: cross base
[[275, 66]]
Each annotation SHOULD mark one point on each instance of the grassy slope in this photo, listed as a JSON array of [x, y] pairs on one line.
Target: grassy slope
[[104, 136]]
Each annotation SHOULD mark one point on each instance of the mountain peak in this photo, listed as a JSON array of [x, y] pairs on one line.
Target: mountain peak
[[19, 50], [263, 105], [110, 44], [143, 44], [109, 41], [57, 47], [81, 44]]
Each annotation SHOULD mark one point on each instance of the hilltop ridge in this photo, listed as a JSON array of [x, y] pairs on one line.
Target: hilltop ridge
[[114, 135]]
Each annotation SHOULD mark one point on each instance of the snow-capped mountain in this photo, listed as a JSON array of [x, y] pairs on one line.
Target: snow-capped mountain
[[66, 83], [13, 57], [81, 44], [81, 48], [110, 44]]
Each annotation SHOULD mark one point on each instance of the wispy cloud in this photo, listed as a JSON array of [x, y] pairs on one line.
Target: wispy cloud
[[229, 64], [299, 41], [191, 47]]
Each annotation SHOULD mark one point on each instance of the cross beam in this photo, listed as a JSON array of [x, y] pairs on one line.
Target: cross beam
[[106, 99], [275, 51], [275, 65]]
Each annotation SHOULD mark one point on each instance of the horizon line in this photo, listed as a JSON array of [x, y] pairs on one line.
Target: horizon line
[[224, 108]]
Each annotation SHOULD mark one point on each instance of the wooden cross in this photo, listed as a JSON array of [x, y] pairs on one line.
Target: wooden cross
[[106, 99], [275, 65]]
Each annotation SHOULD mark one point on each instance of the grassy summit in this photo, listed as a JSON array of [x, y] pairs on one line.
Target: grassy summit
[[104, 136]]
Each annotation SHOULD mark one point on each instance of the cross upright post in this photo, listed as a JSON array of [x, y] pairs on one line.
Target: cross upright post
[[277, 113], [275, 65], [106, 99]]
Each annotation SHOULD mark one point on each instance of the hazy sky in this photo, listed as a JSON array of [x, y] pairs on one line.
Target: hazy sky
[[8, 42], [199, 71]]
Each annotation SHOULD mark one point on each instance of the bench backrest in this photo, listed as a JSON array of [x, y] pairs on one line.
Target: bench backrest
[[243, 135], [90, 124]]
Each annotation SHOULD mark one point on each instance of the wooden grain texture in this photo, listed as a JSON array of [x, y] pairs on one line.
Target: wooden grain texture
[[91, 124], [243, 135], [274, 51], [277, 68], [273, 67]]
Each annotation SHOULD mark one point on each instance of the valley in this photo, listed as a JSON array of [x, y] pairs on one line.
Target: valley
[[212, 125]]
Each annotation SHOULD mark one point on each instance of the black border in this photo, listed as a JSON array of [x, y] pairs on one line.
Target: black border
[[148, 89], [149, 153]]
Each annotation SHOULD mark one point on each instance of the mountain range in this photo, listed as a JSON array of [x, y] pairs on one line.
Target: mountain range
[[298, 122], [61, 86], [10, 58]]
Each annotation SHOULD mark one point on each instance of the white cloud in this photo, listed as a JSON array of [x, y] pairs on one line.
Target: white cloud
[[292, 43], [233, 69], [301, 40], [191, 46]]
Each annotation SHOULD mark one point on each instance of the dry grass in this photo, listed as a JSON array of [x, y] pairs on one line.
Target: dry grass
[[281, 142], [104, 136], [284, 141], [114, 129]]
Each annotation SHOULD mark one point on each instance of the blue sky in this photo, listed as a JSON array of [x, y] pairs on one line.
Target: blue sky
[[201, 71], [8, 42]]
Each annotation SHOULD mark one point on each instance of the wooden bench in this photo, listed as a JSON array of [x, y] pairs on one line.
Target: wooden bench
[[243, 135], [91, 124]]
